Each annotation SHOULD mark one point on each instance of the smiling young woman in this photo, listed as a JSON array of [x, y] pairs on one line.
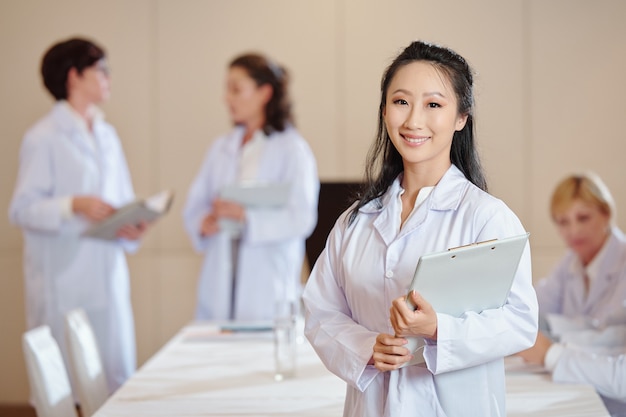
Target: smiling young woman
[[424, 192]]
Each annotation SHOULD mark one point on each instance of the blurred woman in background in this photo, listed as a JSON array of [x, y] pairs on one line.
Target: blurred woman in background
[[253, 254], [72, 174], [582, 302]]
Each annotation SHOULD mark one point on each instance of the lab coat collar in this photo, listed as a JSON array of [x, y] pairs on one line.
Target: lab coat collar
[[69, 122], [445, 196], [615, 248], [233, 145], [606, 269], [594, 267]]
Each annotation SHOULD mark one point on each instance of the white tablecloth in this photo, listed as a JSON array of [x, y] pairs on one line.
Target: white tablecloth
[[201, 372]]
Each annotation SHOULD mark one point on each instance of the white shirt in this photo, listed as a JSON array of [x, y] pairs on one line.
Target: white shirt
[[250, 155]]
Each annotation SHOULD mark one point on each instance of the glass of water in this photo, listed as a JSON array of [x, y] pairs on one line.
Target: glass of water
[[285, 346]]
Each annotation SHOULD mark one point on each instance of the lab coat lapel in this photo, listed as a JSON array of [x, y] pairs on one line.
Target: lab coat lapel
[[67, 123], [231, 153], [607, 279], [387, 223], [445, 196]]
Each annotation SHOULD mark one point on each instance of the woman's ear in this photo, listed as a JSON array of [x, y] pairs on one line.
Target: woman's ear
[[267, 92], [461, 121], [72, 77]]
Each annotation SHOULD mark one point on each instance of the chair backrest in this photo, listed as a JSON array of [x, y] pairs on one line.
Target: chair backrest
[[85, 362], [47, 375]]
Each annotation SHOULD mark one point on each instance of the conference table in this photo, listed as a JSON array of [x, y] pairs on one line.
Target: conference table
[[206, 371]]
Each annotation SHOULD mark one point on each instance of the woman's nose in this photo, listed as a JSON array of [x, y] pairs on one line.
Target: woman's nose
[[414, 119]]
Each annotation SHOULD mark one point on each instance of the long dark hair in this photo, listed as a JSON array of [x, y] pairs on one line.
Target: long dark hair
[[384, 162], [264, 71]]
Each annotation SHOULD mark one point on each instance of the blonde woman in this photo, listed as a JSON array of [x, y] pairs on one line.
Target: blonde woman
[[583, 301]]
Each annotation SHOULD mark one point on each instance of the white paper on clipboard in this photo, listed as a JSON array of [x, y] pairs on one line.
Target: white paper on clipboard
[[475, 277]]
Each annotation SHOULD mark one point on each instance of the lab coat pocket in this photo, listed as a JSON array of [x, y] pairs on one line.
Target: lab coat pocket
[[80, 271]]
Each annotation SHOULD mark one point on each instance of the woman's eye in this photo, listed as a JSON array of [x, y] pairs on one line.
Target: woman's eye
[[400, 101], [433, 105]]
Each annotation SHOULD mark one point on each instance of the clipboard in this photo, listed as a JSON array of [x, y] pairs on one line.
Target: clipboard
[[253, 195], [257, 194], [474, 277]]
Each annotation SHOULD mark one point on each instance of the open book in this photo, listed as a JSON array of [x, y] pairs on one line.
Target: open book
[[141, 210]]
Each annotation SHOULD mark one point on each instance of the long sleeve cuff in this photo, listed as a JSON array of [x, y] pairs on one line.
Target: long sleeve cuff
[[552, 356], [66, 208]]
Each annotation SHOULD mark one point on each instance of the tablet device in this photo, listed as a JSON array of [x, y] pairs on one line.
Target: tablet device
[[474, 277]]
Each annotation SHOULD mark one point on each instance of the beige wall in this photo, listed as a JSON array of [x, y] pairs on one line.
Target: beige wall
[[550, 93]]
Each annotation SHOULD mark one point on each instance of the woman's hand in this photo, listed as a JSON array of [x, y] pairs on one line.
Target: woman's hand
[[92, 208], [132, 231], [229, 210], [537, 354], [209, 225], [420, 322], [389, 352], [221, 209]]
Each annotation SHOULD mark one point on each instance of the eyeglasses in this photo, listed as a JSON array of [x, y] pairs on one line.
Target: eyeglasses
[[102, 67]]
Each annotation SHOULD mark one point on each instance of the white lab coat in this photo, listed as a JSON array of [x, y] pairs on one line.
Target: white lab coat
[[563, 294], [272, 248], [371, 262], [63, 270], [563, 291], [605, 372]]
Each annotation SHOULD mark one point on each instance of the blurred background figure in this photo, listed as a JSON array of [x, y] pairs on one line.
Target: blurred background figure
[[583, 302], [253, 255], [73, 173]]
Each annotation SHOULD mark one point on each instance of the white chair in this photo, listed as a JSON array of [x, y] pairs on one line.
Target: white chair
[[85, 362], [49, 383]]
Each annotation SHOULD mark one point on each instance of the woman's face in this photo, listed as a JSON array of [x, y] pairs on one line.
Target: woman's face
[[93, 85], [584, 228], [246, 100], [421, 116]]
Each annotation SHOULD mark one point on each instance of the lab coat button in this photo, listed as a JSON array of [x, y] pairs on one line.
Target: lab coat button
[[389, 274]]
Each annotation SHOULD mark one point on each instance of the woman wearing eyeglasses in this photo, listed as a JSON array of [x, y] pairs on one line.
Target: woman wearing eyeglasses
[[72, 174]]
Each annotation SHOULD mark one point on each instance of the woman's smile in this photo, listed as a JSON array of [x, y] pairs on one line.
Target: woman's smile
[[415, 139]]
